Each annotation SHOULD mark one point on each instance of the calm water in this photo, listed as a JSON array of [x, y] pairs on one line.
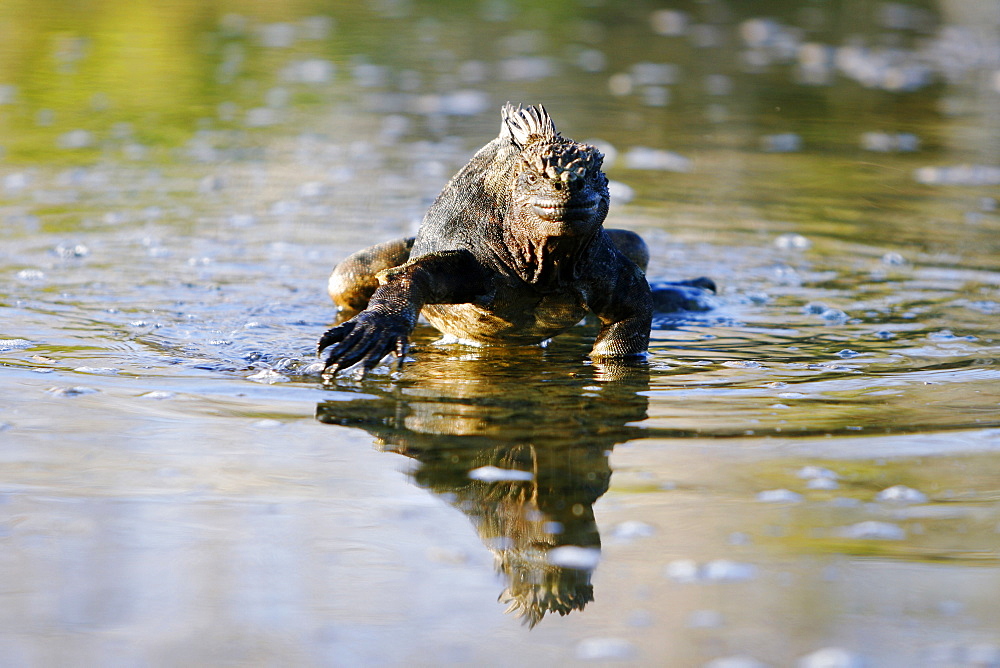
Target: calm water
[[807, 473]]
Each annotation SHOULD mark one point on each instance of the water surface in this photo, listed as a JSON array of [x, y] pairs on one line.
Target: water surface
[[807, 472]]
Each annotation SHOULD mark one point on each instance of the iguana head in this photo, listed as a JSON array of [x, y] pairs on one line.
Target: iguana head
[[558, 188]]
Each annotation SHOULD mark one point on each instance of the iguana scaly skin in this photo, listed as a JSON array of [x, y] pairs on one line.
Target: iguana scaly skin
[[512, 252]]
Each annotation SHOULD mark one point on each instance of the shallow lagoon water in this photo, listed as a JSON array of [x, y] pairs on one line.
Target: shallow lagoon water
[[806, 473]]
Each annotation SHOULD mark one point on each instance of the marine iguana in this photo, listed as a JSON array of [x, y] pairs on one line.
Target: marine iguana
[[512, 252]]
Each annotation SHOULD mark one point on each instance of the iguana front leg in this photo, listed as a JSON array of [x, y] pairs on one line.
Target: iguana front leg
[[355, 279], [625, 308], [448, 277]]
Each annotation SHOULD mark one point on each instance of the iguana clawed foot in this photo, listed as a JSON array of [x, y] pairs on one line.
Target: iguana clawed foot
[[364, 340]]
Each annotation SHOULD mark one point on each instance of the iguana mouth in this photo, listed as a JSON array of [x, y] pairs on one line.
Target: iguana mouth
[[560, 210]]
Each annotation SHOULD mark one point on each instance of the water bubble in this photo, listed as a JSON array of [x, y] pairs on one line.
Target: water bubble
[[654, 74], [158, 394], [71, 251], [743, 364], [718, 84], [885, 142], [632, 529], [669, 22], [16, 182], [30, 275], [960, 175], [792, 241], [641, 157], [591, 60], [830, 657], [495, 474], [872, 530], [574, 556], [310, 71], [901, 494], [260, 117], [682, 570], [822, 483], [268, 376], [948, 335], [317, 27], [604, 649], [620, 192], [75, 139], [76, 391], [527, 68], [786, 142], [14, 344], [738, 661], [277, 35], [807, 472], [726, 570], [655, 96], [779, 496], [834, 315], [705, 619], [97, 370], [465, 102], [620, 84]]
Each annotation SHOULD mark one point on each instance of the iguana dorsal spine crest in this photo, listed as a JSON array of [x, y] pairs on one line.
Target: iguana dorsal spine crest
[[528, 125]]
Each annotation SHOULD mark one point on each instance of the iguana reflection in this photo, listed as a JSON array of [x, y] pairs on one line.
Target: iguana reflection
[[501, 417]]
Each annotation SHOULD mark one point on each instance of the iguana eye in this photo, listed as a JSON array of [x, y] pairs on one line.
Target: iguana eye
[[531, 177]]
